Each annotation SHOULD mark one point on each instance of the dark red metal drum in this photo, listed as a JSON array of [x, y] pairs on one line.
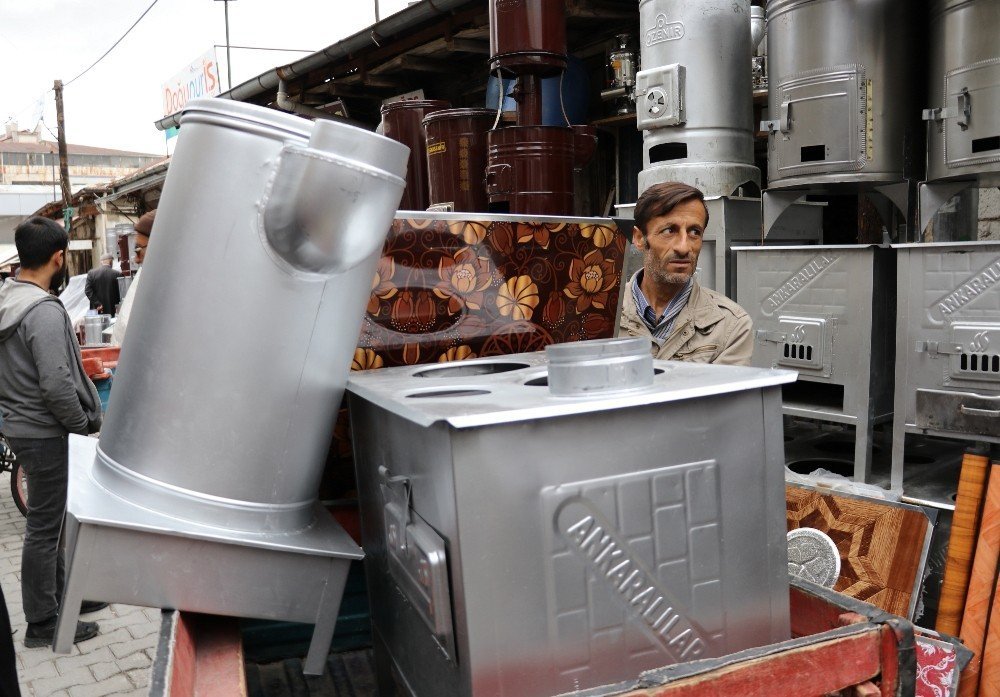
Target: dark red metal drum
[[456, 157], [401, 121], [531, 169], [528, 36]]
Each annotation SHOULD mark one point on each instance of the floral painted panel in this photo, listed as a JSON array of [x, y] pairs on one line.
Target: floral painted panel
[[449, 290], [458, 289]]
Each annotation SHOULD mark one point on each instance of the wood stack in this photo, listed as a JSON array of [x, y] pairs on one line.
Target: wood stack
[[970, 576]]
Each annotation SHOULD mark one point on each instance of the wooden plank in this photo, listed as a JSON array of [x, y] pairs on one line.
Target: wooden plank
[[881, 544], [961, 544], [807, 671], [989, 680], [981, 583]]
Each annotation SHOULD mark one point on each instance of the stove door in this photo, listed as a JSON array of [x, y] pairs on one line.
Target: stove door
[[972, 96]]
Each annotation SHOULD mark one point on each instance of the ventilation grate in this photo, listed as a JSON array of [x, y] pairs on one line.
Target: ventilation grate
[[797, 352], [980, 363]]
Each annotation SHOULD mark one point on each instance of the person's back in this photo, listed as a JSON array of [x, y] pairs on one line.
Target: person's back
[[102, 287]]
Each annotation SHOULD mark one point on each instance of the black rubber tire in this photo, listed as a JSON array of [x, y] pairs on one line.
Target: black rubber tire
[[19, 488]]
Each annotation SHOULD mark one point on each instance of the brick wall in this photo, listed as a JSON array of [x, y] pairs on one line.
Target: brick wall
[[989, 214]]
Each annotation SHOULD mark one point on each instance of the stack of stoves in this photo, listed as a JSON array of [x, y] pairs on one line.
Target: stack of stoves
[[530, 166], [513, 550]]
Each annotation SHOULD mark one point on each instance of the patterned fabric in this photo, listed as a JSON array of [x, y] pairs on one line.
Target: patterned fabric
[[660, 326], [449, 289], [937, 675]]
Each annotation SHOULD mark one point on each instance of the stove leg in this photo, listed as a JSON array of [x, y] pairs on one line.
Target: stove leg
[[78, 560], [326, 620], [863, 450], [898, 449]]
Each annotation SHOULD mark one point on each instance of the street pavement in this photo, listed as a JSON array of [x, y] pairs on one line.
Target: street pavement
[[115, 662]]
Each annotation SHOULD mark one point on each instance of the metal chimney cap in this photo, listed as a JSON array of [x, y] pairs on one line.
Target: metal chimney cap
[[602, 365]]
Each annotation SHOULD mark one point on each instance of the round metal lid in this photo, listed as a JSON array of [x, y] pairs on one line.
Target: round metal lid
[[250, 114], [813, 556], [415, 104], [459, 114]]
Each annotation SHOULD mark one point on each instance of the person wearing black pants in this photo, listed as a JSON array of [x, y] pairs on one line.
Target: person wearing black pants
[[45, 395]]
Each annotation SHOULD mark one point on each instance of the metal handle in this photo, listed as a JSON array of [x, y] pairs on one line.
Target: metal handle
[[785, 122], [972, 411], [964, 109]]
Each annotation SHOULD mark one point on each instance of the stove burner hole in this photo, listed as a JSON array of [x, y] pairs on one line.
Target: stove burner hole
[[808, 465], [470, 369], [447, 393]]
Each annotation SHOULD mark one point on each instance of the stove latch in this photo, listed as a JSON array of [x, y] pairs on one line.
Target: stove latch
[[417, 559]]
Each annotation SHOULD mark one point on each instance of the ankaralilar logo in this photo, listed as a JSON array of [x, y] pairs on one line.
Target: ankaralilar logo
[[986, 279], [609, 559], [799, 280]]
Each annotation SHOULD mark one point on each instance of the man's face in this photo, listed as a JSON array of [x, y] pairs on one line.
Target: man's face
[[141, 242], [672, 243]]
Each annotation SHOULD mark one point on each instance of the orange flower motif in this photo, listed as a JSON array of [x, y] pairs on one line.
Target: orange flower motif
[[539, 232], [382, 286], [471, 231], [413, 312], [366, 359], [464, 277], [590, 280], [601, 234], [457, 353], [518, 298]]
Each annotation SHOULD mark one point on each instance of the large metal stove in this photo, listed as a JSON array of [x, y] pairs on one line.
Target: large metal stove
[[201, 493], [842, 110], [694, 99], [963, 135], [548, 522], [827, 312], [947, 344]]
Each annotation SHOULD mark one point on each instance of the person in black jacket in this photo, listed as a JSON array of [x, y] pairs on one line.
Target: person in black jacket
[[102, 287]]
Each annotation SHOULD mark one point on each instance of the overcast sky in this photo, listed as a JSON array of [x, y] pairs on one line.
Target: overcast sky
[[115, 104]]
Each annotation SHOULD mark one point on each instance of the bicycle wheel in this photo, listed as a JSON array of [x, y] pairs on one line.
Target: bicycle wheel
[[19, 488]]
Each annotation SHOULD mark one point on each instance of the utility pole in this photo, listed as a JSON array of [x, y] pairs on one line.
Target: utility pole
[[229, 63], [63, 156]]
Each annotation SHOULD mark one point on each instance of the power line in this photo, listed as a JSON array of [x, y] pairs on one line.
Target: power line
[[262, 48], [115, 44]]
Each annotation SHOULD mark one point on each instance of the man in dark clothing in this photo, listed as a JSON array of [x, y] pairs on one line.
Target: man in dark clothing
[[44, 396], [102, 287]]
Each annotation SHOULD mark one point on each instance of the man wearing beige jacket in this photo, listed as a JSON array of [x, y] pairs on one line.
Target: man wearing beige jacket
[[663, 301]]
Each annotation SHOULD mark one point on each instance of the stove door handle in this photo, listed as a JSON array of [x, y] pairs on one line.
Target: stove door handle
[[972, 411]]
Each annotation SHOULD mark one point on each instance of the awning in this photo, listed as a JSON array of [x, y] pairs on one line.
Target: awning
[[8, 254]]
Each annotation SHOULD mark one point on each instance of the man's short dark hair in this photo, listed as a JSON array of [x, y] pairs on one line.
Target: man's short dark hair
[[37, 239], [660, 199]]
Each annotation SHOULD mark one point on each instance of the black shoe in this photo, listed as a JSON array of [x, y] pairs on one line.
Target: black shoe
[[39, 634], [89, 606]]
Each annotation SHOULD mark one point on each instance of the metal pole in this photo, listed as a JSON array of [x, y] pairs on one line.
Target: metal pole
[[377, 19], [229, 62], [63, 156]]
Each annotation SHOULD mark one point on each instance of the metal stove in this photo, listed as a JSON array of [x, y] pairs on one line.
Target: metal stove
[[947, 343], [842, 112], [963, 135], [827, 312], [513, 550]]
